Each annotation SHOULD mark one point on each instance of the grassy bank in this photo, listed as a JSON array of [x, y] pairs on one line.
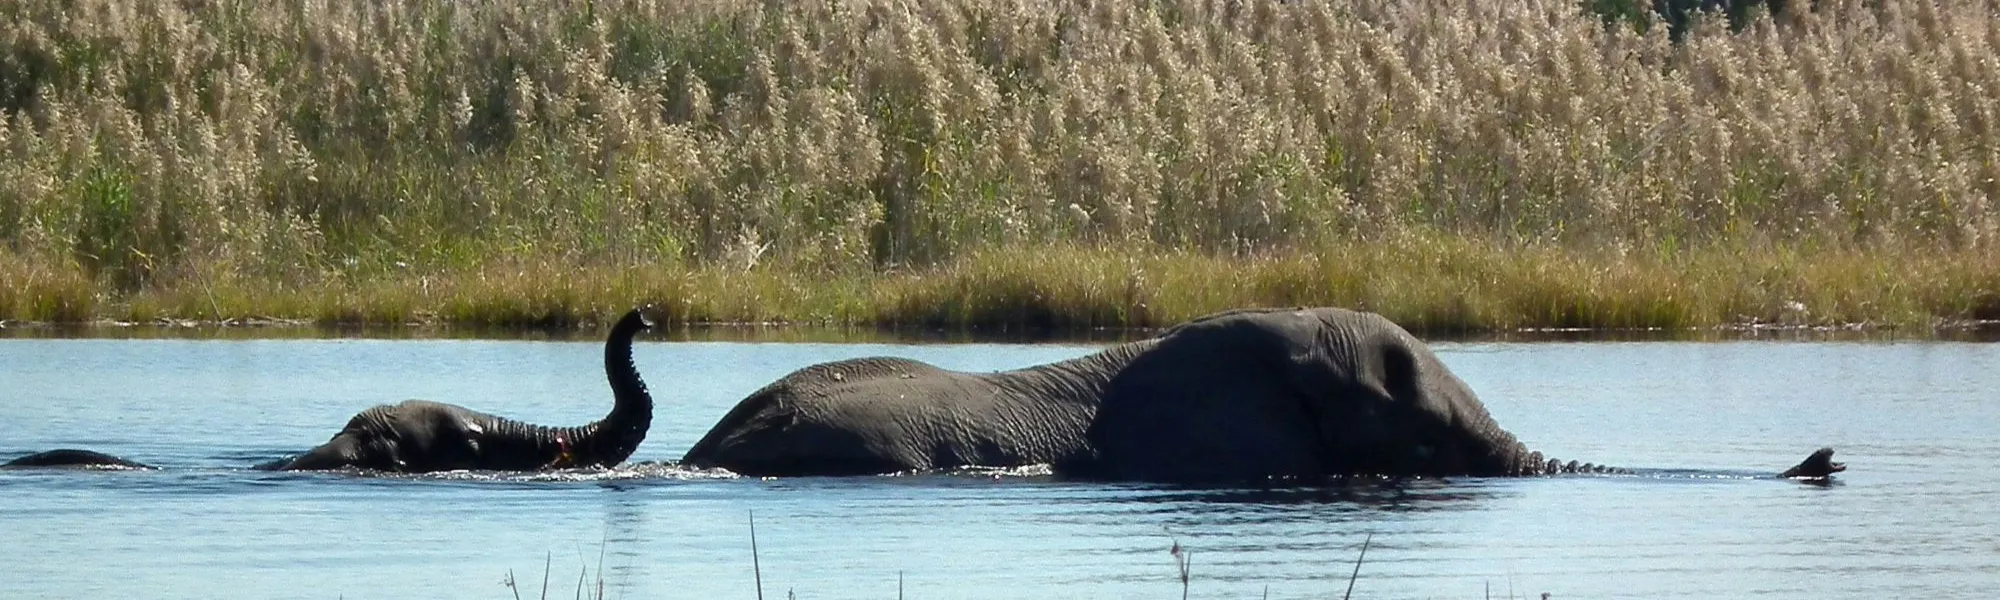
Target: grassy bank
[[1453, 165], [1437, 284]]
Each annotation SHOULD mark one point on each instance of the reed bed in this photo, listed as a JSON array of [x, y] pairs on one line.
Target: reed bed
[[1437, 285], [997, 162]]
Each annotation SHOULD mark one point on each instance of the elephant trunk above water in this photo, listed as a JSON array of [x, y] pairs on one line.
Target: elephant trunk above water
[[421, 436], [424, 436]]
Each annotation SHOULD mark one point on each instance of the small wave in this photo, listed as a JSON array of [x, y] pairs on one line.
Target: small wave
[[1681, 474], [636, 471], [665, 470], [112, 468], [1034, 470]]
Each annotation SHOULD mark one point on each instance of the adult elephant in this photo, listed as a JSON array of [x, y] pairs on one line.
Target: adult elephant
[[421, 436], [1241, 395]]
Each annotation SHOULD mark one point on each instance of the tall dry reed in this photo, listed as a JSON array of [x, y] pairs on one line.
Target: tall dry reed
[[306, 144]]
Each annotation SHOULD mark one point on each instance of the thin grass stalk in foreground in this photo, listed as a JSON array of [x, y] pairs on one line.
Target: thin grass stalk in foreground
[[548, 561], [1182, 558], [600, 563], [1357, 566], [756, 569]]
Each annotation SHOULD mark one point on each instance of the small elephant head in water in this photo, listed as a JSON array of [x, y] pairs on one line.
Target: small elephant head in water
[[1818, 466]]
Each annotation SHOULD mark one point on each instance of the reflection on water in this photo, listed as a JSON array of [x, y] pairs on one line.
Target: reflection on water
[[1703, 425], [1388, 495]]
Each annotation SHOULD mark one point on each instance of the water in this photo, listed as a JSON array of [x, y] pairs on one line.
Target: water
[[1916, 421]]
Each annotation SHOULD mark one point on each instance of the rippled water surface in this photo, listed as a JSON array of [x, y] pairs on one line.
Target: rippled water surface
[[1917, 422]]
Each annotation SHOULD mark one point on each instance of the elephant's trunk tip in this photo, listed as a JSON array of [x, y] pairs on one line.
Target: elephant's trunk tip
[[621, 431], [1819, 465], [633, 322]]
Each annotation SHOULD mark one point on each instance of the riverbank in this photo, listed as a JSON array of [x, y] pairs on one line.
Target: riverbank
[[1436, 284], [968, 163]]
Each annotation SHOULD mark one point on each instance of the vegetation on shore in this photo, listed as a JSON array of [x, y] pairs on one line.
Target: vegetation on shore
[[1438, 284], [1463, 166]]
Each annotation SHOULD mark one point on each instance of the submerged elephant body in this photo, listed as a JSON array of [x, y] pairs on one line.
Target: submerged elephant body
[[72, 458], [883, 415], [417, 436], [1241, 395]]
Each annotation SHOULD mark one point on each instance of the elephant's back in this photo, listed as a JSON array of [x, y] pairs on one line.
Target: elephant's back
[[72, 458], [386, 419], [857, 391], [855, 381], [840, 372], [1300, 323], [864, 415]]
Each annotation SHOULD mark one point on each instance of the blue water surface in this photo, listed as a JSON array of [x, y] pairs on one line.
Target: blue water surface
[[1918, 423]]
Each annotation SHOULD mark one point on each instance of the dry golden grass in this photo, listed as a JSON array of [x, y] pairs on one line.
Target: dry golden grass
[[43, 290], [1451, 164]]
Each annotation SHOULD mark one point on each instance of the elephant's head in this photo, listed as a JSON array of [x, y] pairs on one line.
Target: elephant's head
[[356, 446], [1384, 403], [1298, 393]]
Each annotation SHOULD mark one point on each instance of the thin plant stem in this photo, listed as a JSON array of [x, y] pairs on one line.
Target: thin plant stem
[[1357, 566], [756, 568]]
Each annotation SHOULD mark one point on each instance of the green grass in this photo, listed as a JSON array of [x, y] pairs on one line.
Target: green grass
[[1428, 283]]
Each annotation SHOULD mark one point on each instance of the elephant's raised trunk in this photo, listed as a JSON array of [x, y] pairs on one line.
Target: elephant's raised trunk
[[612, 439]]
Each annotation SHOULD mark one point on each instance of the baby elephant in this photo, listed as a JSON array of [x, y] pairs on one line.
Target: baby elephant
[[418, 436]]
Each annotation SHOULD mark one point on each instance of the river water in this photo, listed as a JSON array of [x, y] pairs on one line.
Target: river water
[[1917, 422]]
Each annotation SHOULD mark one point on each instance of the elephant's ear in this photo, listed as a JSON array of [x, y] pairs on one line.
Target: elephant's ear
[[1359, 384], [1212, 400], [1406, 412]]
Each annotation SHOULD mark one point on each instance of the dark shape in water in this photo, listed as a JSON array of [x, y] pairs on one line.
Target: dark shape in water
[[419, 436], [1241, 396], [1818, 466], [71, 458]]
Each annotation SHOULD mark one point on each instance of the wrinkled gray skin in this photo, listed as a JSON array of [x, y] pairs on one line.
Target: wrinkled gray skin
[[1241, 395], [421, 436]]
